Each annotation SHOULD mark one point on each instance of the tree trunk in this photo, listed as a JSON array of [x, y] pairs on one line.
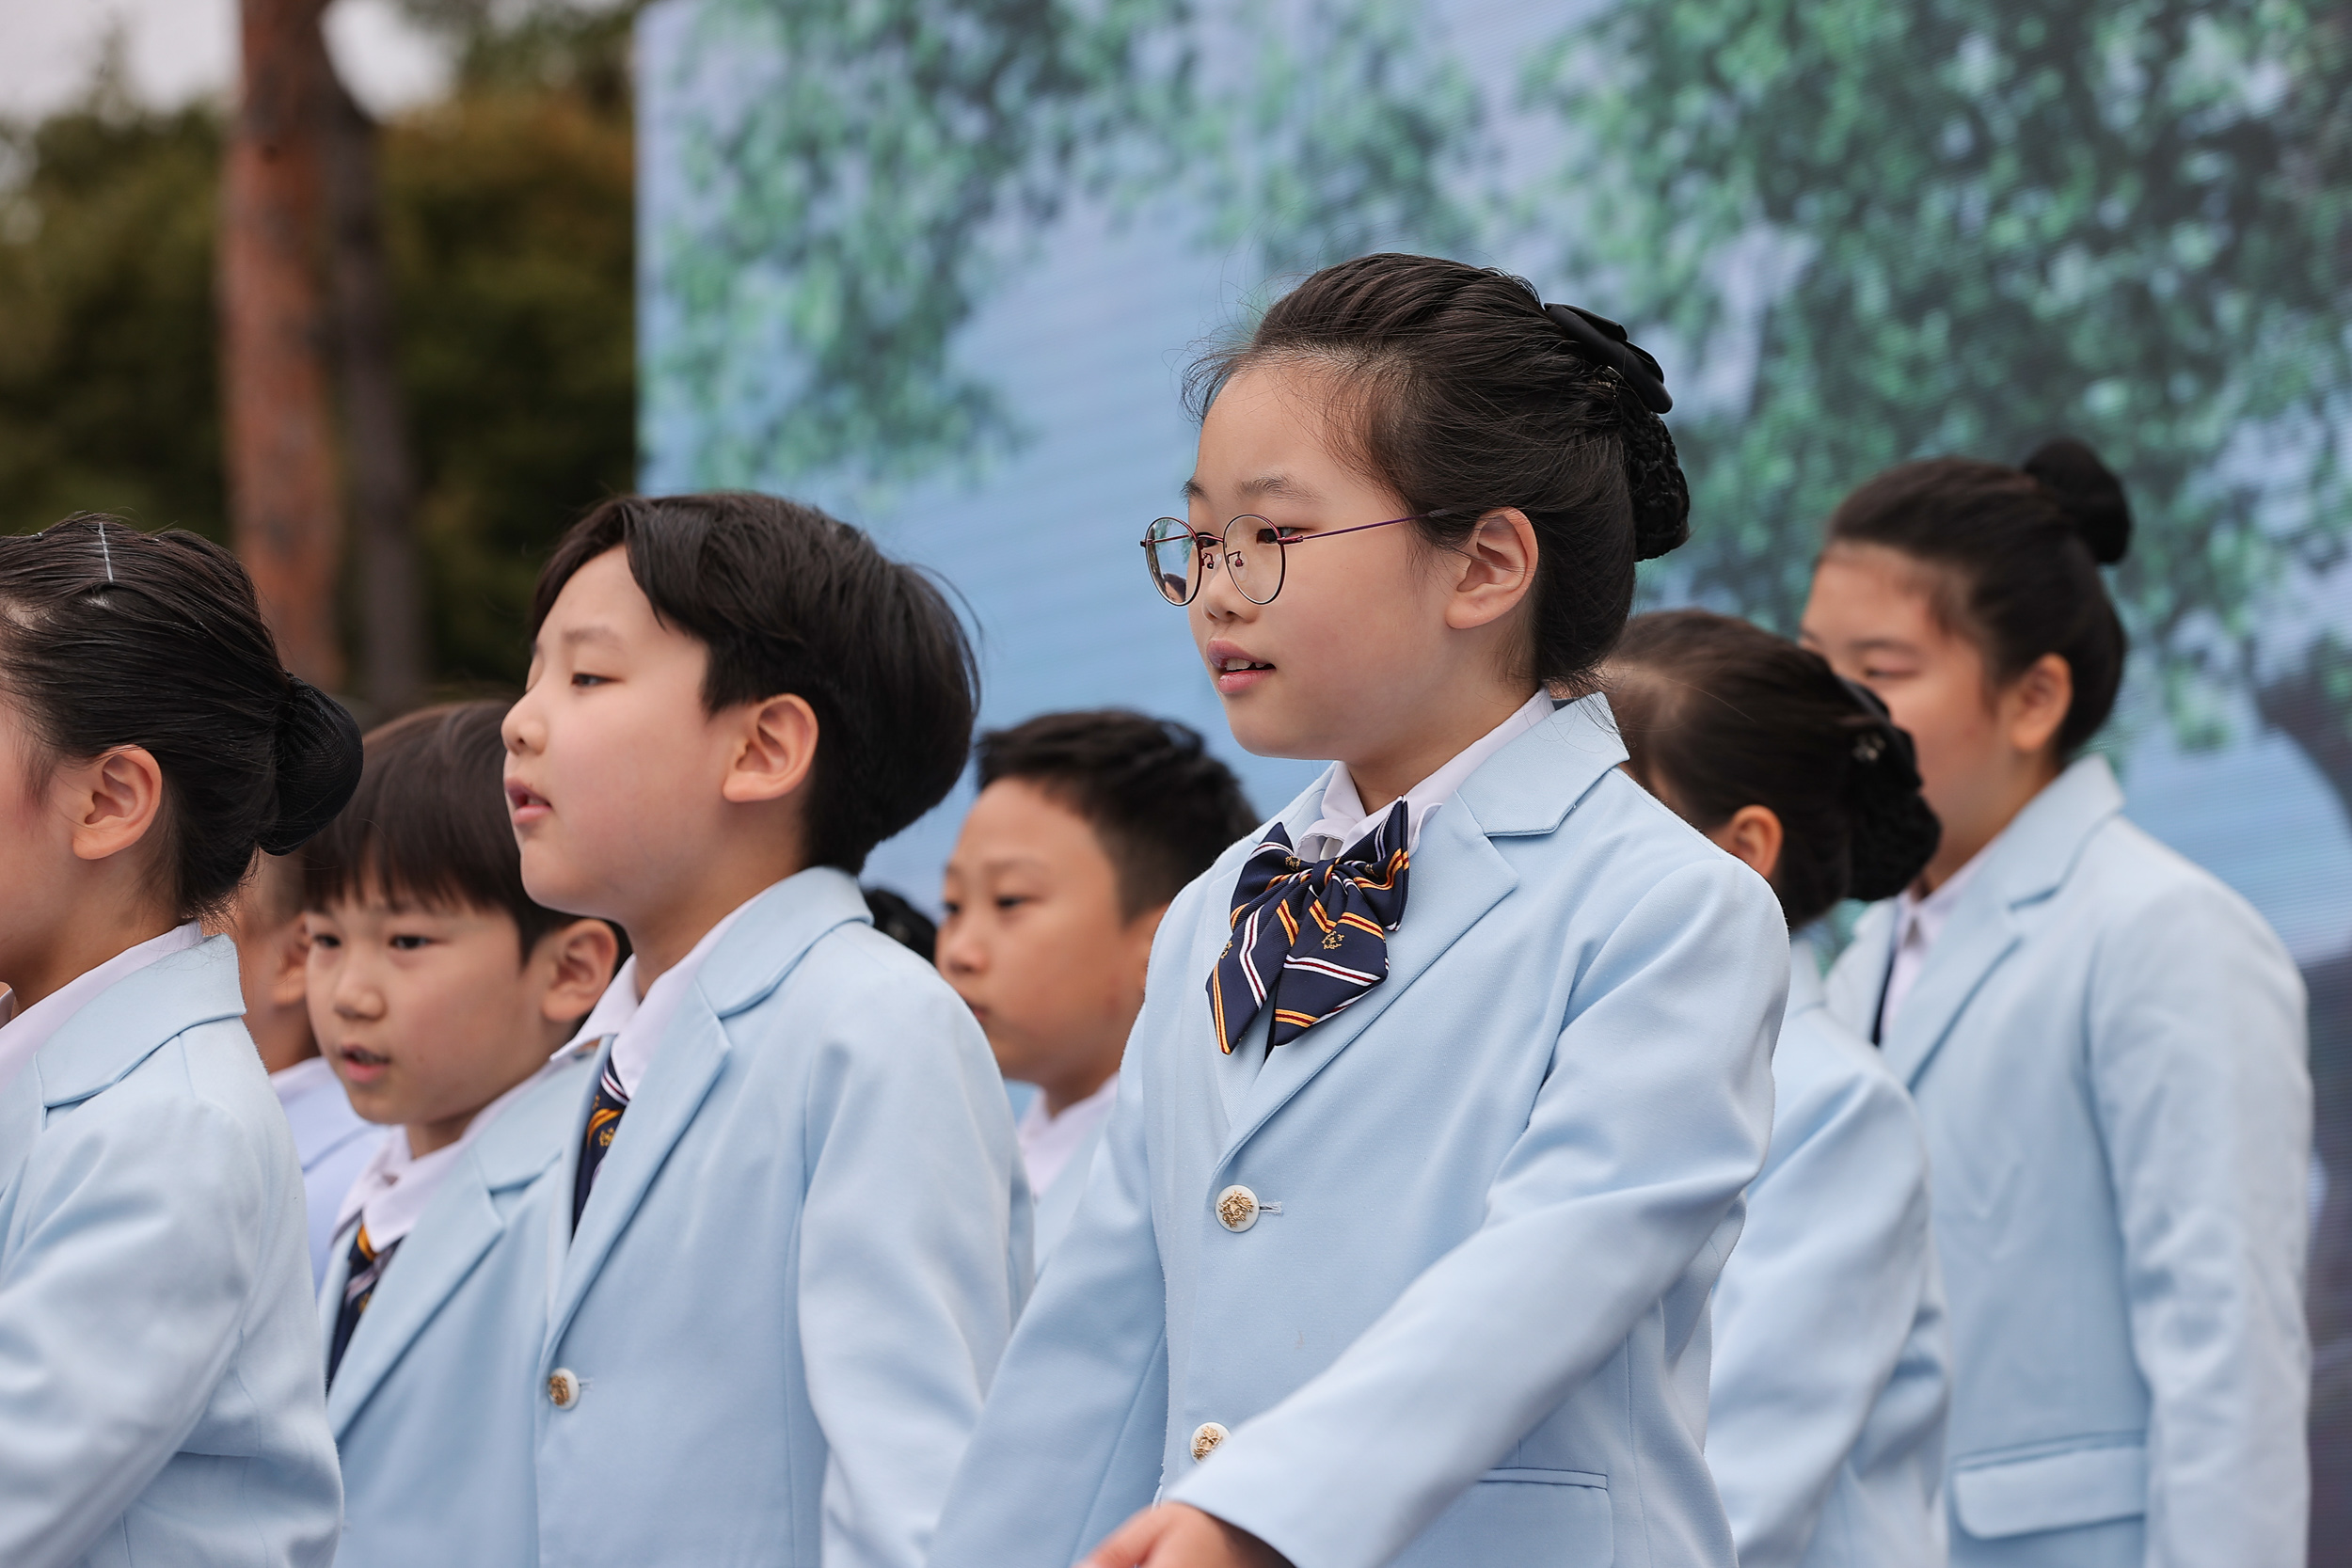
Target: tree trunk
[[383, 475], [285, 513]]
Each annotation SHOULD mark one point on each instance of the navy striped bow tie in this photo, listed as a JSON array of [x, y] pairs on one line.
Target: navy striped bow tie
[[1314, 931]]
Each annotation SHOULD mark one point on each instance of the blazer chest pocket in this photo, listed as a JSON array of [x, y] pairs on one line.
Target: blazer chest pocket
[[2094, 1486], [1532, 1517]]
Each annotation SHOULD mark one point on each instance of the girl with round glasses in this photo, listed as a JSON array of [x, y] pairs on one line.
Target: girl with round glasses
[[1431, 1135]]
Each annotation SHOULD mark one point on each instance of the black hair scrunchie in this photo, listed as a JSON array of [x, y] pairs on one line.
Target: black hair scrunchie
[[1893, 830], [1653, 472]]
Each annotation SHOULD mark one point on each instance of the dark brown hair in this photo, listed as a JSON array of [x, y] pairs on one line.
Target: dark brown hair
[[1718, 714], [1465, 398], [428, 826], [110, 637], [790, 602], [1162, 808], [2018, 553]]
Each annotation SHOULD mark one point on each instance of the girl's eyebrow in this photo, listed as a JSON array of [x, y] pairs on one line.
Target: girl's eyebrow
[[1280, 486]]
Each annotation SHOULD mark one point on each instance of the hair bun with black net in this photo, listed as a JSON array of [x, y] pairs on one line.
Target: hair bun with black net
[[1653, 474], [1894, 833], [2088, 492], [319, 757]]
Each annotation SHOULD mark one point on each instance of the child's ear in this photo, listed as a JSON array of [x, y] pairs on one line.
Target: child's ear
[[775, 752], [110, 800], [1498, 569], [585, 953], [290, 973]]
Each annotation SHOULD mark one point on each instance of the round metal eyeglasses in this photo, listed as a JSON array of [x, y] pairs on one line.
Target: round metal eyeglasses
[[1252, 549]]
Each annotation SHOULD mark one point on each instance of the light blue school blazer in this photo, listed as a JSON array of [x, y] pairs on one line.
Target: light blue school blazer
[[2107, 1046], [1833, 1360], [1474, 1329], [159, 1385], [431, 1407], [801, 1259]]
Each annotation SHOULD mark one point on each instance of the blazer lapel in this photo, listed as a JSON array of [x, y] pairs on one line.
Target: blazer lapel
[[692, 1053], [1980, 935], [457, 1228], [2028, 862], [432, 1261]]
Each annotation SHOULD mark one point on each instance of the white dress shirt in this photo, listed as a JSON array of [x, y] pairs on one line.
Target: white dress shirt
[[23, 1034], [1344, 819], [1917, 923], [1047, 1141]]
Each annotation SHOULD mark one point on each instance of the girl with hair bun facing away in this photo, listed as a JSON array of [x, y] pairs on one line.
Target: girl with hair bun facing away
[[1429, 1140], [2107, 1046], [159, 1389], [1825, 1409]]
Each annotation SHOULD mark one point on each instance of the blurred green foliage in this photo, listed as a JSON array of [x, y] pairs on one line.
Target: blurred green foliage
[[109, 385], [857, 179], [1995, 220], [510, 220]]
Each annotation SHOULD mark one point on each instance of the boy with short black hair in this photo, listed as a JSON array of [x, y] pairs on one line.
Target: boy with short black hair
[[1087, 824], [438, 991], [787, 1243]]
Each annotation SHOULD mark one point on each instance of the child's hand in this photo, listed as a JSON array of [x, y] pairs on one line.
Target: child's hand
[[1176, 1535]]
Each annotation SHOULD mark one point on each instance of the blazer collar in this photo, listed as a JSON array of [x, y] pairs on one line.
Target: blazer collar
[[125, 1023], [750, 960], [450, 1239], [2031, 859], [1529, 787]]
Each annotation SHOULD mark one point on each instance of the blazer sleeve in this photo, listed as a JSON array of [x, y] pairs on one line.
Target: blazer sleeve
[[2198, 1060], [1087, 1374], [1818, 1303], [143, 1220], [1654, 1115], [905, 1296]]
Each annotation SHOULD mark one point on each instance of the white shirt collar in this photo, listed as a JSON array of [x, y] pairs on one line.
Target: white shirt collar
[[1345, 820], [1919, 920], [22, 1037], [1048, 1143], [393, 1189], [641, 1023]]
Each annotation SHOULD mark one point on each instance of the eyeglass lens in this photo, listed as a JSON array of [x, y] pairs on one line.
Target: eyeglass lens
[[1250, 549]]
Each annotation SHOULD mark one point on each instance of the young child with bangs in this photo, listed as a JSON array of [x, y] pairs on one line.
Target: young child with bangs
[[1086, 826], [1831, 1357], [788, 1238], [1430, 1138], [439, 992]]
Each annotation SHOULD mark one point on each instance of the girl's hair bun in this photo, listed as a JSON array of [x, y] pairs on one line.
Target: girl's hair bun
[[318, 755], [1893, 833], [2088, 492], [1661, 496]]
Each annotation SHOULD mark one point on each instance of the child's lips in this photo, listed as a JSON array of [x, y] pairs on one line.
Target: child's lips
[[1234, 669], [526, 806], [362, 1066]]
